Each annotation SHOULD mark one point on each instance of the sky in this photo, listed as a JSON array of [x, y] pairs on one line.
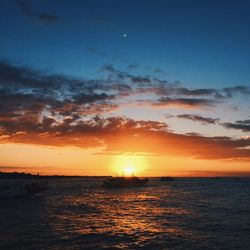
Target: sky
[[97, 87]]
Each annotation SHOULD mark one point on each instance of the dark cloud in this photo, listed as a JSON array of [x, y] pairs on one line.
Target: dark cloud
[[17, 104], [193, 134], [160, 82], [62, 90], [124, 75], [83, 98], [109, 68], [132, 66], [98, 52], [196, 92], [175, 90], [184, 102], [163, 88], [22, 76], [26, 8], [140, 79], [67, 108], [121, 87], [244, 122], [95, 127], [12, 76], [169, 116], [24, 91], [243, 125], [46, 17], [198, 118], [230, 92], [158, 70]]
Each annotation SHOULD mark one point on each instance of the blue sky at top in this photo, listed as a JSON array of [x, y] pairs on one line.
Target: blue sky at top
[[200, 43]]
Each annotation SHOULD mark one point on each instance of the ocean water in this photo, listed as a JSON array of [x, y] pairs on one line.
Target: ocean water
[[80, 214]]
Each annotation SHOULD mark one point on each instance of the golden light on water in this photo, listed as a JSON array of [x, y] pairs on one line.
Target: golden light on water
[[129, 165]]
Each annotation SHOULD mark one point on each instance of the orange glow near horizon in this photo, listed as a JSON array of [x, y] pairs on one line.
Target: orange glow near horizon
[[129, 171], [47, 160], [129, 165]]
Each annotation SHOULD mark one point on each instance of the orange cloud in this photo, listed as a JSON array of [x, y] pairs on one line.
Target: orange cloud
[[119, 135]]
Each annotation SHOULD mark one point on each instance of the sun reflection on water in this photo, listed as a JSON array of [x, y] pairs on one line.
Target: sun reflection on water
[[131, 217], [170, 216]]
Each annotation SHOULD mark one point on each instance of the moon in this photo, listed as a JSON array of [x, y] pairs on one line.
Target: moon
[[124, 35]]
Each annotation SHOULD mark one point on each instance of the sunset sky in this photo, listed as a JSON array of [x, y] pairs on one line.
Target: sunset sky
[[95, 87]]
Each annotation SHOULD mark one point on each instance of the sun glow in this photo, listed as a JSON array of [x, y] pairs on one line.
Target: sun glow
[[129, 165], [129, 171]]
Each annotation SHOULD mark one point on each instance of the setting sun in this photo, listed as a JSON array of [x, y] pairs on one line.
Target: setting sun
[[129, 171], [129, 165]]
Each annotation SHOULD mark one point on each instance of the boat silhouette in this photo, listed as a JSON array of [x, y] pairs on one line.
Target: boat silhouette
[[166, 178], [125, 182]]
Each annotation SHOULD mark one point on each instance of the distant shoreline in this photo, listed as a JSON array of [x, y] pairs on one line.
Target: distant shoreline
[[23, 175]]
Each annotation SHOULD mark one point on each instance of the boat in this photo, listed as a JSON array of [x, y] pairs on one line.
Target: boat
[[125, 182], [166, 178]]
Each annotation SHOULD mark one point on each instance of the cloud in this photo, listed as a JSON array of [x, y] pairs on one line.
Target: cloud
[[184, 102], [16, 77], [244, 122], [123, 135], [140, 79], [47, 109], [109, 68], [195, 92], [168, 92], [165, 89], [84, 98], [27, 10], [25, 7], [21, 77], [198, 118], [24, 91], [48, 18], [158, 70], [98, 52], [27, 106], [132, 66], [231, 91], [243, 125], [17, 104], [65, 91], [124, 75]]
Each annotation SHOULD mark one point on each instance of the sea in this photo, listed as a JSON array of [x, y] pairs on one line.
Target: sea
[[79, 213]]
